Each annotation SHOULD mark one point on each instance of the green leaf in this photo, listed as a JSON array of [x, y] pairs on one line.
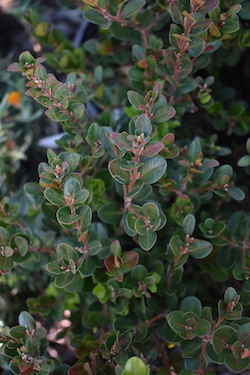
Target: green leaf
[[201, 26], [26, 58], [207, 314], [140, 226], [176, 9], [14, 366], [115, 248], [231, 25], [63, 280], [101, 292], [123, 325], [33, 188], [46, 179], [224, 170], [194, 150], [6, 251], [88, 267], [169, 335], [173, 30], [230, 296], [201, 328], [6, 264], [238, 272], [18, 332], [117, 173], [55, 114], [193, 349], [135, 99], [41, 71], [148, 240], [245, 11], [187, 67], [71, 187], [235, 313], [175, 245], [98, 74], [94, 247], [27, 320], [4, 236], [32, 346], [244, 334], [40, 333], [54, 196], [193, 304], [139, 53], [244, 161], [85, 213], [196, 46], [144, 192], [175, 320], [236, 364], [81, 197], [153, 169], [129, 224], [180, 208], [78, 110], [93, 136], [135, 366], [163, 114], [110, 213], [95, 17], [136, 189], [143, 125], [200, 249], [248, 145], [189, 224], [215, 357], [65, 216], [151, 211], [67, 252], [139, 273], [72, 160], [236, 193], [41, 30], [22, 245], [54, 267], [131, 7], [223, 336], [192, 364]]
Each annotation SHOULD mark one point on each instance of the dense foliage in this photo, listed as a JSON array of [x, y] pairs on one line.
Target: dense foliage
[[134, 245]]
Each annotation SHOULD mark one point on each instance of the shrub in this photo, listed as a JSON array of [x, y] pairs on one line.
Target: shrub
[[134, 244]]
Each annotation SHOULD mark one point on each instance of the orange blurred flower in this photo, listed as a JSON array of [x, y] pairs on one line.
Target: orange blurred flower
[[14, 98]]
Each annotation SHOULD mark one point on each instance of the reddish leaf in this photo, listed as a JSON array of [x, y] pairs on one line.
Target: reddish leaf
[[209, 6], [153, 148], [77, 370], [109, 263], [129, 260], [168, 138], [15, 67], [121, 141]]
